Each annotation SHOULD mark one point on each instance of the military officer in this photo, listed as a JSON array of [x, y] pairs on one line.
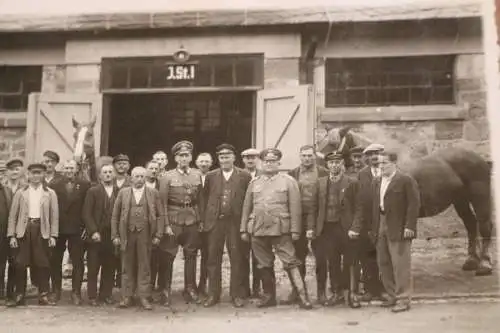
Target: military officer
[[272, 216], [181, 194]]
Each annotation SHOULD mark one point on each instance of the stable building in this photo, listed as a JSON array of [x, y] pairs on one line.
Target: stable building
[[411, 76]]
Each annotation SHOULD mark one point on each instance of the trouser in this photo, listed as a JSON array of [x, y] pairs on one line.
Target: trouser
[[189, 238], [76, 249], [33, 251], [100, 257], [157, 269], [263, 247], [202, 283], [334, 255], [368, 261], [301, 248], [249, 266], [394, 261], [6, 258], [136, 264], [226, 231]]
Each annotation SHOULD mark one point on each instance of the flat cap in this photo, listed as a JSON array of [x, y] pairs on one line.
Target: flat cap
[[334, 156], [271, 152], [250, 152], [373, 148], [182, 146], [52, 155], [225, 148], [13, 162], [37, 166], [120, 158], [358, 150]]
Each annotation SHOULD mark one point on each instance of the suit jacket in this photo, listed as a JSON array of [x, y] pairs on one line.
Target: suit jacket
[[212, 193], [401, 206], [71, 205], [121, 213], [5, 203], [57, 178], [350, 204], [365, 183], [19, 214], [94, 206]]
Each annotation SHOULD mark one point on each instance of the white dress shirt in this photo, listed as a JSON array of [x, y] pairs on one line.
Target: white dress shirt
[[253, 174], [49, 179], [109, 190], [35, 204], [227, 174], [384, 184], [203, 177], [151, 184], [138, 192]]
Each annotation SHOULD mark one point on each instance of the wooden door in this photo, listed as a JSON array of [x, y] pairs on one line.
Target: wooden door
[[49, 124], [285, 119]]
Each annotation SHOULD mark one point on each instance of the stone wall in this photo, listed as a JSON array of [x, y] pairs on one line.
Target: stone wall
[[419, 138]]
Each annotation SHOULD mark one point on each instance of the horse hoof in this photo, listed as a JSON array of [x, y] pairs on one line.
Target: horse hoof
[[484, 268], [470, 264]]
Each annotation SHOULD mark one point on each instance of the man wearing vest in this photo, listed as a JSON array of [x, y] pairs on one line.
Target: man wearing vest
[[224, 194], [33, 228], [136, 226], [97, 211], [272, 217], [181, 194]]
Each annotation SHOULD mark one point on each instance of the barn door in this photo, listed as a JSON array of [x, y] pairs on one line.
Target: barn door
[[49, 125], [285, 120]]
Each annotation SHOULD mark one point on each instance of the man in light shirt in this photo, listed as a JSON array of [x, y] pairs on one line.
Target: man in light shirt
[[136, 226], [203, 162], [33, 229]]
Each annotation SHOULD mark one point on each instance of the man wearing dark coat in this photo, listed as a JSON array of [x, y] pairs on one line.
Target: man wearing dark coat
[[306, 175], [97, 212], [71, 193], [51, 159], [224, 193], [136, 226]]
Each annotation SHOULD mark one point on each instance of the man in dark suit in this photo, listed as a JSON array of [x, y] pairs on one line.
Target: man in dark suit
[[136, 226], [71, 193], [336, 200], [224, 193], [250, 159], [306, 175], [367, 252], [203, 162], [97, 211], [396, 205]]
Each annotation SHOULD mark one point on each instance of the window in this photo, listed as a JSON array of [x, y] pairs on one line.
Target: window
[[420, 80], [16, 83]]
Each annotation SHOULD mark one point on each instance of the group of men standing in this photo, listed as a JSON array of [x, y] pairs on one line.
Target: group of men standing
[[357, 220]]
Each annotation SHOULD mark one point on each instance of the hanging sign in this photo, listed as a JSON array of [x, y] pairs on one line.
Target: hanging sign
[[181, 69]]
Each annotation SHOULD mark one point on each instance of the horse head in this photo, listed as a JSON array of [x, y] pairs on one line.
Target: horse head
[[84, 149]]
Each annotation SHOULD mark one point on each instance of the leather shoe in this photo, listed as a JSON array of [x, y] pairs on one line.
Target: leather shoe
[[146, 305], [44, 300], [190, 295], [17, 301], [388, 303], [93, 302], [238, 302], [125, 303], [322, 300], [400, 307], [211, 301], [76, 299], [108, 301]]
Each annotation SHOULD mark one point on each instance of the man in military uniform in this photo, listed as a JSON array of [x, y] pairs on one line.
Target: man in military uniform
[[272, 217], [357, 161], [181, 194]]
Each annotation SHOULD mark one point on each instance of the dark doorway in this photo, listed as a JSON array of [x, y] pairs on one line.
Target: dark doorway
[[141, 124]]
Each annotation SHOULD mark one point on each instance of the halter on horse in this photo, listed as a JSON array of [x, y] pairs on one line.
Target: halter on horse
[[84, 152]]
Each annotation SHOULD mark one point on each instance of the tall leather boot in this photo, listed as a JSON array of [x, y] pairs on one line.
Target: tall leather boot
[[268, 297], [190, 293], [166, 298], [293, 297], [298, 283]]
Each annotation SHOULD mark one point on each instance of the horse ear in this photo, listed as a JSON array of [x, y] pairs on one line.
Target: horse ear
[[93, 121], [75, 122]]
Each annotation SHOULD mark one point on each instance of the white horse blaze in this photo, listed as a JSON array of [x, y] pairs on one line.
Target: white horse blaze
[[79, 142]]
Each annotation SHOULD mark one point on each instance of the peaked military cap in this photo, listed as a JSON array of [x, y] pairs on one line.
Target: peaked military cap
[[374, 147], [52, 155], [14, 162], [334, 156], [37, 166], [225, 148], [182, 146], [120, 158], [274, 152], [358, 150], [250, 152]]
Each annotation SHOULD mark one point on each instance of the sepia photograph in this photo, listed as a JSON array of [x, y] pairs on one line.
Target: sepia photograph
[[236, 166]]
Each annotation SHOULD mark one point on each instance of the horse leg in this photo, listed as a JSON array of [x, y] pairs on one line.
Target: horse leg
[[464, 211], [481, 202]]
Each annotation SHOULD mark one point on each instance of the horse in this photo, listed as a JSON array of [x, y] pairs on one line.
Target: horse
[[84, 149], [446, 177]]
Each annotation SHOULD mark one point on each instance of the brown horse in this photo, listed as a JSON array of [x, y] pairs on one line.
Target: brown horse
[[452, 176], [84, 150]]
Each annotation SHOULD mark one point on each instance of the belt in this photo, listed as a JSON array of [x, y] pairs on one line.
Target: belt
[[181, 204]]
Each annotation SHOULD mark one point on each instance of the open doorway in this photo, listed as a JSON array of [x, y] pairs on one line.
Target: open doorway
[[141, 124]]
